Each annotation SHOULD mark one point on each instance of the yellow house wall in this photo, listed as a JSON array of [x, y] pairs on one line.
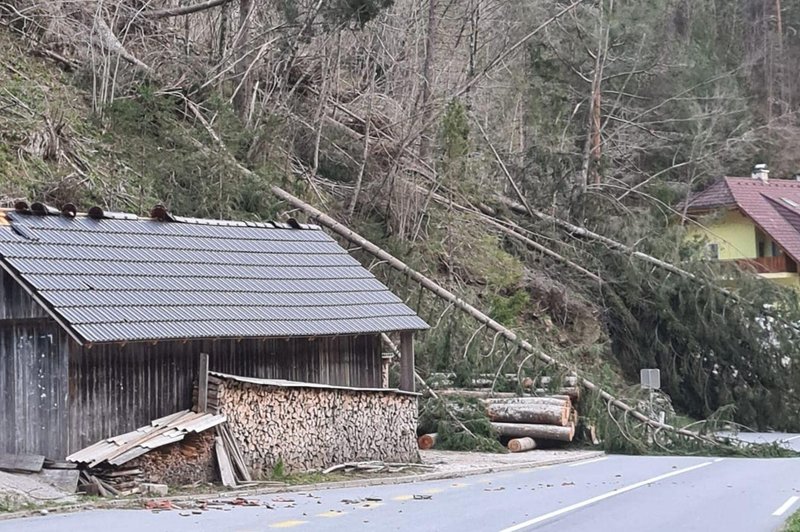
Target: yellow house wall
[[792, 280], [734, 233]]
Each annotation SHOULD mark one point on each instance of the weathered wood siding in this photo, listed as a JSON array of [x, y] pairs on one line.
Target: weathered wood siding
[[116, 388], [33, 387], [57, 397], [15, 302]]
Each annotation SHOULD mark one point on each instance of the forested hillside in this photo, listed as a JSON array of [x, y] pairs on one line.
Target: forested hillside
[[449, 132]]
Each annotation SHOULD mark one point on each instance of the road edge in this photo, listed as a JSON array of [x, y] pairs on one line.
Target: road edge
[[357, 483]]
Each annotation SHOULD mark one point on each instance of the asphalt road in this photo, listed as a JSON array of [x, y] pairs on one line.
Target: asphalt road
[[613, 493]]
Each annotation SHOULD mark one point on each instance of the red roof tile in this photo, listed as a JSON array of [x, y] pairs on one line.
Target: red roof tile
[[774, 206]]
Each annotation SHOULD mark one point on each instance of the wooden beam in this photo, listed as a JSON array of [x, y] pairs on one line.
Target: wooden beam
[[202, 384], [407, 361]]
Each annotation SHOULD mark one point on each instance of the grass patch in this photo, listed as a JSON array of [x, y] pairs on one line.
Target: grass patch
[[793, 524]]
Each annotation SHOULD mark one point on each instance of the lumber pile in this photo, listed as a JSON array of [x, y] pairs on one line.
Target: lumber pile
[[110, 482], [310, 426], [188, 461]]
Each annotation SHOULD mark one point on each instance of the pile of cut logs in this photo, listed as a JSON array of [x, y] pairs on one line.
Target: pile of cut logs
[[525, 423], [533, 419], [522, 422]]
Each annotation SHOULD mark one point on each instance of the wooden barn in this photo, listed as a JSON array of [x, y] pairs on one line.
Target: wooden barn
[[104, 316]]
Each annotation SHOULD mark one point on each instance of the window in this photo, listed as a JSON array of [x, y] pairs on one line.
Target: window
[[712, 251]]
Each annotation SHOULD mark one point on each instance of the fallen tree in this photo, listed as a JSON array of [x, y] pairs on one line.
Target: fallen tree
[[348, 234]]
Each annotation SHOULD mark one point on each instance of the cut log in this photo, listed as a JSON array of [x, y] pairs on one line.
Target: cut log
[[479, 394], [561, 401], [427, 441], [543, 414], [567, 381], [518, 445], [21, 463], [543, 432], [482, 380], [573, 393]]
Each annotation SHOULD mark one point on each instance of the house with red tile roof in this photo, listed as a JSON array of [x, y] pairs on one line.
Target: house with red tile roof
[[754, 221]]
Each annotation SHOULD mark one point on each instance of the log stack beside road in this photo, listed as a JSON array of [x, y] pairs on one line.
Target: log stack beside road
[[525, 422], [539, 418]]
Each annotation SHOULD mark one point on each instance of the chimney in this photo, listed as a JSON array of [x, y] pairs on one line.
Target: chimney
[[761, 172]]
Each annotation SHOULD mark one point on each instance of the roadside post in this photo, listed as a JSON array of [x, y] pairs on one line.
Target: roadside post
[[650, 379]]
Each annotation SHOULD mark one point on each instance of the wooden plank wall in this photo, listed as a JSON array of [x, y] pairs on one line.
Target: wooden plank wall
[[117, 388], [15, 302], [33, 387]]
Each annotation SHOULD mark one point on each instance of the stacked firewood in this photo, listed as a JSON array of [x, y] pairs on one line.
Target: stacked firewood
[[314, 427], [188, 461]]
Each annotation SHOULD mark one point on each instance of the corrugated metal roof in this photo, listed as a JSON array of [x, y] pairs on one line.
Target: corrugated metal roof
[[129, 279], [163, 431], [280, 383]]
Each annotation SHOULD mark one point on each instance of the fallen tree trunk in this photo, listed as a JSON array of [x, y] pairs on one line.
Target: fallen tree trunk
[[427, 441], [543, 414], [518, 445], [479, 316], [539, 432], [529, 400], [476, 394]]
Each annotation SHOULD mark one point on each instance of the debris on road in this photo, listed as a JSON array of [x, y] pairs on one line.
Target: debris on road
[[374, 467]]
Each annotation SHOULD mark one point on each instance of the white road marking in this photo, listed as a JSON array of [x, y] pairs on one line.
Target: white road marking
[[785, 506], [578, 464], [718, 460], [792, 438], [602, 497]]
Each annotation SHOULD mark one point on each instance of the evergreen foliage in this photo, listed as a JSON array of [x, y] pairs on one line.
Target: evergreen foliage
[[435, 415], [713, 350]]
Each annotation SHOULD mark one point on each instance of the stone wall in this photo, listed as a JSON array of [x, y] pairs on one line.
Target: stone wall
[[307, 426]]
